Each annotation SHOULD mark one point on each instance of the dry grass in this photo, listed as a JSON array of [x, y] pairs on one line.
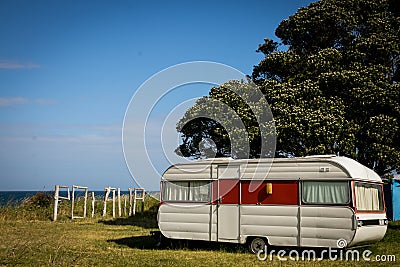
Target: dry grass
[[37, 241]]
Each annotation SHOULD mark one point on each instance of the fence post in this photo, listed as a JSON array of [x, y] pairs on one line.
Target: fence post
[[113, 204], [85, 201], [73, 201], [56, 192], [119, 202], [93, 200], [106, 193], [134, 201], [124, 205], [130, 201]]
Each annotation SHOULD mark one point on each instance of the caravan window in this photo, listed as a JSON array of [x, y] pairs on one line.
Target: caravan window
[[326, 192], [196, 191], [368, 197]]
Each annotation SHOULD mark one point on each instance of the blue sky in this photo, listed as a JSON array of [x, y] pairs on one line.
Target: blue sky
[[68, 70]]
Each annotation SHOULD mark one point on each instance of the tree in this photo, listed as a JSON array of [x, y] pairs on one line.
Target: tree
[[228, 123], [334, 89]]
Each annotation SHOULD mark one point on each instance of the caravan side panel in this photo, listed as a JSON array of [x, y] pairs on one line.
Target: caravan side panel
[[188, 221], [277, 223], [324, 226]]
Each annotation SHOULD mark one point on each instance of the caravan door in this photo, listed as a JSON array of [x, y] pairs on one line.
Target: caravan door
[[228, 203]]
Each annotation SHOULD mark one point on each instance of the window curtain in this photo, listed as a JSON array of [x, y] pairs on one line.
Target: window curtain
[[368, 197], [325, 192], [199, 191], [176, 191]]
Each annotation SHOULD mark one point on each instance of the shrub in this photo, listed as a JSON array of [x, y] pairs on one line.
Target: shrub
[[40, 199]]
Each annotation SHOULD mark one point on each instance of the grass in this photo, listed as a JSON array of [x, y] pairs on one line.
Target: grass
[[29, 238]]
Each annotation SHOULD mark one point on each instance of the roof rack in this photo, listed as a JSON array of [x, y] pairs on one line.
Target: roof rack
[[321, 156]]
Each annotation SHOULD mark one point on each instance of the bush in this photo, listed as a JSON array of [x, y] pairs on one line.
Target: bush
[[40, 200]]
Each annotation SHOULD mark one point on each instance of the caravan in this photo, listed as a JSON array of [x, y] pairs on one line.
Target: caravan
[[318, 201]]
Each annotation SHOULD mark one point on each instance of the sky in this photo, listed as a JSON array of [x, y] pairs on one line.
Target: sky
[[69, 69]]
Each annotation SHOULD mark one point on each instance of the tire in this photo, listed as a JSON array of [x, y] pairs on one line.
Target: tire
[[256, 244]]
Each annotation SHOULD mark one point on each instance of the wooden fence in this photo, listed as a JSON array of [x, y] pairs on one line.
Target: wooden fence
[[134, 195]]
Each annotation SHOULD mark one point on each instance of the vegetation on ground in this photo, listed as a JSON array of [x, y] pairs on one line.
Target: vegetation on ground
[[29, 238]]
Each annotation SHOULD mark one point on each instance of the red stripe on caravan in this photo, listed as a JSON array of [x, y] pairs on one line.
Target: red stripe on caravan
[[229, 191], [283, 192]]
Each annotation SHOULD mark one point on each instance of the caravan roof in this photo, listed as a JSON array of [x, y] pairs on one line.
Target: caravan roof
[[311, 167]]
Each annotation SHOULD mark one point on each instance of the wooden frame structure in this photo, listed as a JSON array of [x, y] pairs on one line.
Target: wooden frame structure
[[58, 198], [135, 194], [73, 201]]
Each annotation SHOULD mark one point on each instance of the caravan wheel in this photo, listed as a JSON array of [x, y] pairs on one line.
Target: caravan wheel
[[256, 244]]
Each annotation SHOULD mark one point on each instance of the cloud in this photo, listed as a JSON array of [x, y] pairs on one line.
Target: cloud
[[43, 155], [13, 101], [43, 101], [9, 64], [66, 132]]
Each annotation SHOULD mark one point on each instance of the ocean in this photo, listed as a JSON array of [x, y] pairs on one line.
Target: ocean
[[16, 197]]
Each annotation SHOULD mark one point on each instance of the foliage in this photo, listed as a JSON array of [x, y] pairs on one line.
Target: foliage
[[127, 241], [40, 199], [37, 208], [228, 123], [334, 90], [91, 242], [33, 209]]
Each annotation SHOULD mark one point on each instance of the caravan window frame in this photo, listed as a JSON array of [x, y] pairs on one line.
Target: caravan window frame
[[382, 206], [189, 194], [344, 203]]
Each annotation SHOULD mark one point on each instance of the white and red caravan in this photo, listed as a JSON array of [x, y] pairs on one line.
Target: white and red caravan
[[318, 201]]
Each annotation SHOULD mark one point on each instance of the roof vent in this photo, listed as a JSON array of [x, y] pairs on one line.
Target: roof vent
[[324, 169]]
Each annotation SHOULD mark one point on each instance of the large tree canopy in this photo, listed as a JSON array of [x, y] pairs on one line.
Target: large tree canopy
[[332, 90], [229, 123]]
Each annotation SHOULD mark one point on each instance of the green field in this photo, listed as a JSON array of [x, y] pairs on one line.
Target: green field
[[30, 238]]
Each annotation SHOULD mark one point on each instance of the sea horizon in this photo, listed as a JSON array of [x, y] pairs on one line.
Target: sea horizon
[[16, 197]]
